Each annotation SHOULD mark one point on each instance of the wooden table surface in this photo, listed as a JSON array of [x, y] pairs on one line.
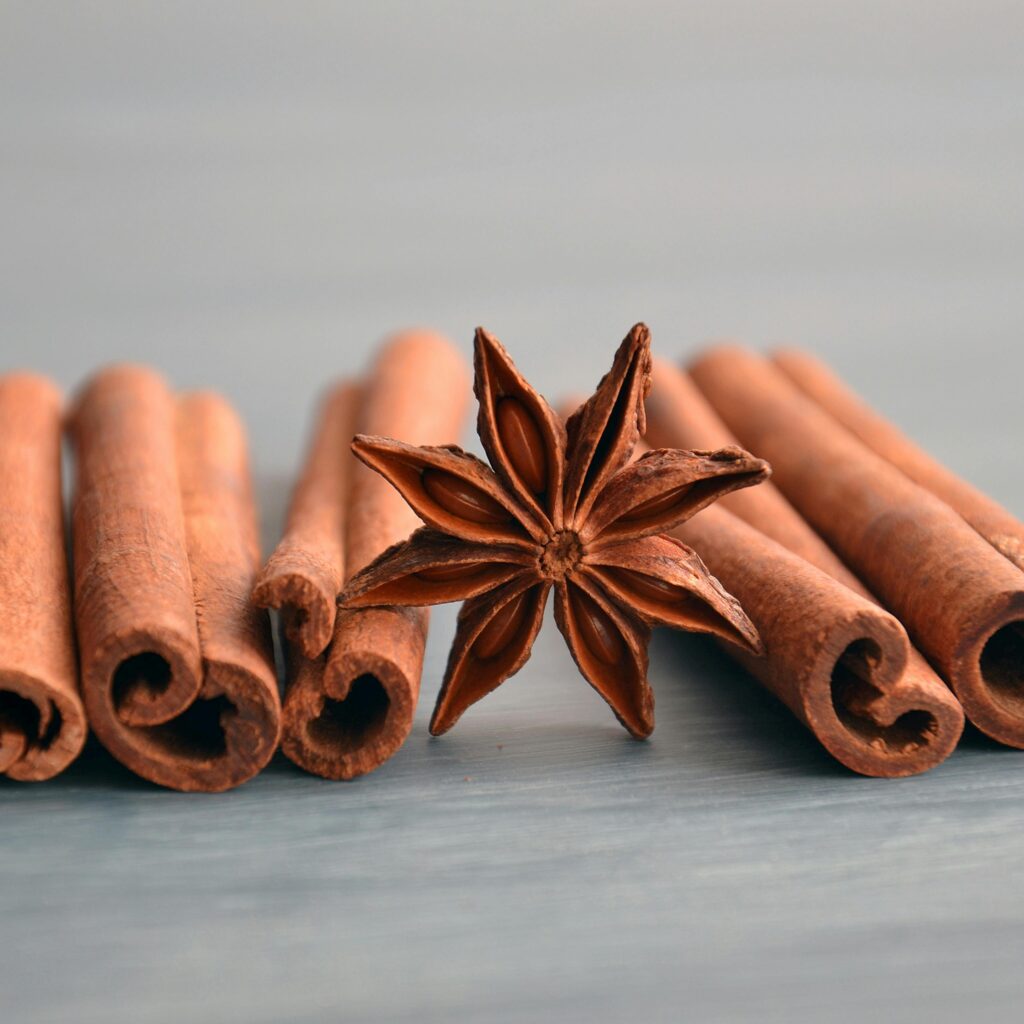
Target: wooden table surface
[[248, 197]]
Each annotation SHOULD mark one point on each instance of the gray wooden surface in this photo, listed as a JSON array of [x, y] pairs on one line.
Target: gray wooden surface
[[248, 196]]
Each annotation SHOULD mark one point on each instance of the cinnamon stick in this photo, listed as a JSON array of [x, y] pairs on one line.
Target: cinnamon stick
[[1001, 529], [349, 705], [843, 665], [42, 720], [679, 416], [960, 600], [177, 665], [306, 572]]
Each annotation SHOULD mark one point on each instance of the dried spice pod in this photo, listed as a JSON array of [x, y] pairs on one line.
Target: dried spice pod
[[960, 600], [493, 641], [843, 665], [559, 508], [1001, 529], [177, 666], [42, 720], [349, 703]]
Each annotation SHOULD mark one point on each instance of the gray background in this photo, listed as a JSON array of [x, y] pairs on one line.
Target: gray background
[[248, 196]]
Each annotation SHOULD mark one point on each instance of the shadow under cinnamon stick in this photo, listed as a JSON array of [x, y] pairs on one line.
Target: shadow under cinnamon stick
[[960, 600], [42, 720], [843, 665], [177, 665], [353, 676]]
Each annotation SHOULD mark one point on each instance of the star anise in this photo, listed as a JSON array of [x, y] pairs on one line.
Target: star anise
[[563, 506]]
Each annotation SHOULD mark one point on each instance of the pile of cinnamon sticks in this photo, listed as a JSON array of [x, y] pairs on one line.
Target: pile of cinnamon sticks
[[888, 595], [175, 670]]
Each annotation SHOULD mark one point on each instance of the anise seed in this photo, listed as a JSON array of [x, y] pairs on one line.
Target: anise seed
[[461, 499], [658, 504], [523, 444], [597, 630], [499, 632], [459, 571], [648, 586]]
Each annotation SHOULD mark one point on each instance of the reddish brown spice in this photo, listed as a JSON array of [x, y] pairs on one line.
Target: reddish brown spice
[[842, 664], [679, 416], [960, 600], [1002, 530], [354, 679], [306, 572], [177, 666], [558, 508], [42, 720]]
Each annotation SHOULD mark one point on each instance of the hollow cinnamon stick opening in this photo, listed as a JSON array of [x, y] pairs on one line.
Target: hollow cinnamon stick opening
[[961, 601], [349, 708], [42, 720], [177, 665], [844, 666], [1001, 529]]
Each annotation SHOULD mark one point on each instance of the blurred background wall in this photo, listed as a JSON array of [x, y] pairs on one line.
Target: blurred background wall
[[248, 195]]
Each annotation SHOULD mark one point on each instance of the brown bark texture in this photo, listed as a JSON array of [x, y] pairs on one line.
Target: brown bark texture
[[960, 600], [42, 720], [306, 572], [177, 664], [350, 699], [679, 416], [1001, 529], [842, 664]]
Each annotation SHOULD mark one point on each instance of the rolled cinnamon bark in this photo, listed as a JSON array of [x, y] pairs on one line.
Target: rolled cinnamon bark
[[349, 709], [177, 665], [1002, 530], [42, 720], [960, 600], [843, 665], [305, 574], [679, 416]]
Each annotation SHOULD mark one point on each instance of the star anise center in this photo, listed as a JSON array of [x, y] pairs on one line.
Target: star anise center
[[561, 554]]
